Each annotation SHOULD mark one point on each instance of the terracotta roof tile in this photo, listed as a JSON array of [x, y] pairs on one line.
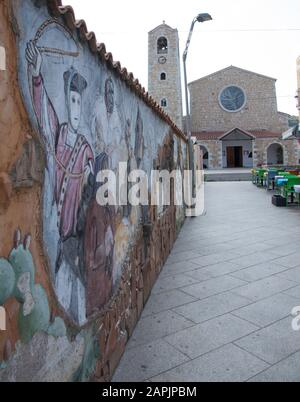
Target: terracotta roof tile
[[56, 9]]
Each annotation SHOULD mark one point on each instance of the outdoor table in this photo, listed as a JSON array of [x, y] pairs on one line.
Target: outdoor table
[[288, 187], [260, 177], [270, 178]]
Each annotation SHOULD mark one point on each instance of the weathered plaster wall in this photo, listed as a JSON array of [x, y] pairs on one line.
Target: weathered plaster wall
[[73, 284]]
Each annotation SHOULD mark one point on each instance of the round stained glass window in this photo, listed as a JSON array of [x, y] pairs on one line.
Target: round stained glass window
[[232, 99]]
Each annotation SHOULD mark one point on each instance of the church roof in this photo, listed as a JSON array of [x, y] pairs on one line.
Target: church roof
[[164, 26], [230, 68]]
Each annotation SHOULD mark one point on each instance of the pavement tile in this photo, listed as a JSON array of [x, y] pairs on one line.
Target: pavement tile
[[204, 261], [294, 292], [274, 343], [164, 284], [166, 301], [210, 335], [212, 307], [181, 257], [264, 288], [254, 259], [220, 269], [212, 287], [227, 364], [290, 261], [157, 326], [292, 274], [268, 311], [149, 360], [288, 370], [177, 268], [260, 271]]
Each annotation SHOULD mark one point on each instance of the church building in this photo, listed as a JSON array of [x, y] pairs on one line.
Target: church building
[[235, 119]]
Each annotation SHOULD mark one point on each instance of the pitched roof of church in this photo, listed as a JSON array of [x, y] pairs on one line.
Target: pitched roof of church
[[229, 68]]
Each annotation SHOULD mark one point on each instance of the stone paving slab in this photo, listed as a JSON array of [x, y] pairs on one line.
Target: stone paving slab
[[232, 322], [149, 360], [264, 288], [173, 282], [289, 261], [227, 364], [254, 259], [157, 326], [214, 306], [166, 301], [182, 257], [213, 287], [204, 261], [177, 268], [274, 343], [291, 274], [288, 370], [215, 270], [268, 311], [210, 335], [294, 292], [258, 272]]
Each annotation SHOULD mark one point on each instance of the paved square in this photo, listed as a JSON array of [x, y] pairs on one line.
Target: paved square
[[221, 309]]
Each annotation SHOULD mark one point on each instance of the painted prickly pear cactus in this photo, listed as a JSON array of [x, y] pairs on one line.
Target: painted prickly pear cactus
[[17, 279]]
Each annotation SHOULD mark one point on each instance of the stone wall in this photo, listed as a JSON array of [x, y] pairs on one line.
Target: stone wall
[[74, 275], [290, 151], [260, 111], [214, 148], [260, 151]]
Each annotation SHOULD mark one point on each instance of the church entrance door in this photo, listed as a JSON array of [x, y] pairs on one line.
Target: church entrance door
[[234, 157]]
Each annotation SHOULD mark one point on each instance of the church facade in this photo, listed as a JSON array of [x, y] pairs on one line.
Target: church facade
[[236, 122], [235, 119]]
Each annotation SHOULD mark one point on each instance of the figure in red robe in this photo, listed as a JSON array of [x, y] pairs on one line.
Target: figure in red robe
[[70, 170]]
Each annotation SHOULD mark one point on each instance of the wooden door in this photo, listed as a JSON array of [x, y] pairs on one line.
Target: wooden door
[[230, 157], [238, 157]]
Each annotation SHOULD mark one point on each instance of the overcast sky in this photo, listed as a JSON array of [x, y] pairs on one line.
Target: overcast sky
[[259, 35]]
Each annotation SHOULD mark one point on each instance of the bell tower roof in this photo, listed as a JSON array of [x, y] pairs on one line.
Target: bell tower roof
[[162, 26]]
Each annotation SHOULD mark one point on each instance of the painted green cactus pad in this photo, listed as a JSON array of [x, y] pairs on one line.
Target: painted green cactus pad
[[7, 280]]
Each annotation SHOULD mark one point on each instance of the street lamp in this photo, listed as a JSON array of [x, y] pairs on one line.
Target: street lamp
[[200, 18]]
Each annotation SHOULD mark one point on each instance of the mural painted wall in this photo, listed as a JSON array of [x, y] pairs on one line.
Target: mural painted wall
[[83, 119]]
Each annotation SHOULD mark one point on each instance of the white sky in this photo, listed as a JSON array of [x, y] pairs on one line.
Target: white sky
[[259, 35]]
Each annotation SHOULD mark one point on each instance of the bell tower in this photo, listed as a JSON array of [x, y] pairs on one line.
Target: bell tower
[[164, 78]]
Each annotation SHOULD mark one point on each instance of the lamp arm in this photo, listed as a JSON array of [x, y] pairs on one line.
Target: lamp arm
[[189, 40]]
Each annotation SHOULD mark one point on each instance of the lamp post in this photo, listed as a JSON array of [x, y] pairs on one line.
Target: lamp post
[[200, 18]]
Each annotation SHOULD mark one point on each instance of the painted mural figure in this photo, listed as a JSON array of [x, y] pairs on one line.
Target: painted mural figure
[[139, 149], [73, 167], [99, 246]]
